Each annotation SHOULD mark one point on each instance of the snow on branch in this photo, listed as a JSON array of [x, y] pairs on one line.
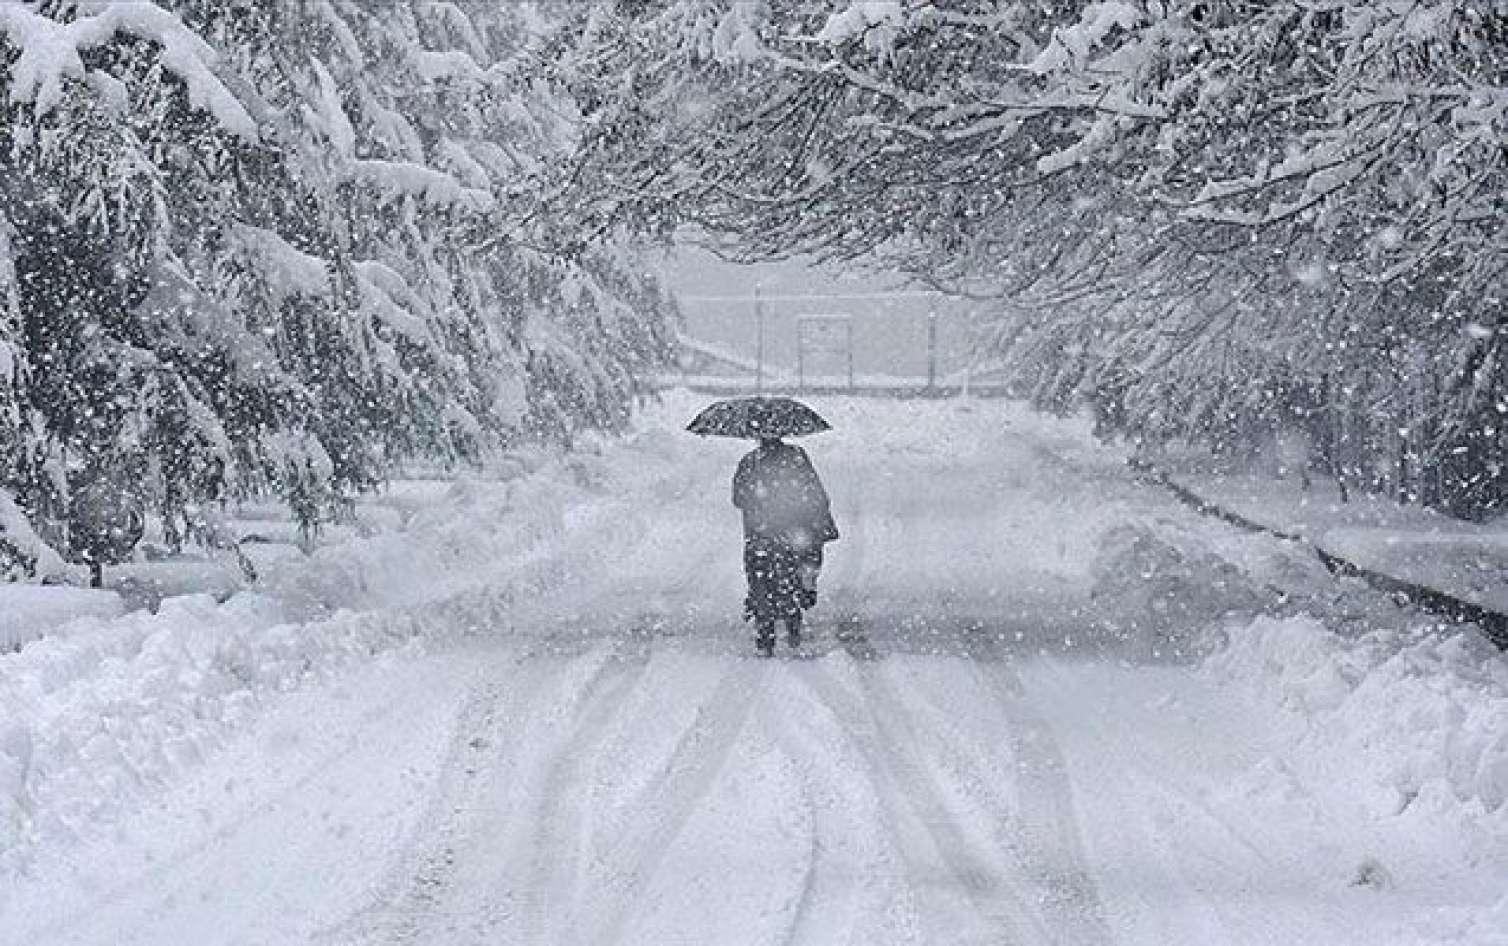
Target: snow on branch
[[332, 114], [287, 270], [1099, 137], [390, 299], [52, 52], [9, 363], [190, 318], [438, 66], [1070, 48], [403, 178], [876, 22], [454, 156], [17, 532]]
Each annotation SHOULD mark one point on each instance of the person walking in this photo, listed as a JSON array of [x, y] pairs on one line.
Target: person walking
[[787, 520], [787, 517]]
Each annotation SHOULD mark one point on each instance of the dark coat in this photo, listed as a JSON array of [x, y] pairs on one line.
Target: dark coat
[[782, 498]]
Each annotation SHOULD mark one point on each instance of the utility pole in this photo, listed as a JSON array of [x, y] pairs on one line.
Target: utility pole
[[931, 351], [850, 354], [759, 344], [800, 357]]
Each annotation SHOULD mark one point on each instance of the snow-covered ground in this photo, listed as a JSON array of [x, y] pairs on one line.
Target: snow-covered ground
[[1466, 559], [1041, 704]]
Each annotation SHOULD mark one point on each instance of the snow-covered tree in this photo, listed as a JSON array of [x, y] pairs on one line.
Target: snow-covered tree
[[1209, 217], [254, 246]]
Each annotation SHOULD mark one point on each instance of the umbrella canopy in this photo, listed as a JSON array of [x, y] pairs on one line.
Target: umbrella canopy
[[755, 417]]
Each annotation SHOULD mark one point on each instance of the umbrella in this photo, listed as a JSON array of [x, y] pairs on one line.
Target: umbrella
[[755, 417]]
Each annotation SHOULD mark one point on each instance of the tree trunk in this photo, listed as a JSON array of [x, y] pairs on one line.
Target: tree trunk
[[1403, 470]]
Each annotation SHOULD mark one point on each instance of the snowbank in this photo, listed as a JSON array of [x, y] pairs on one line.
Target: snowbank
[[1175, 587], [103, 715], [28, 611], [1411, 728], [1424, 714], [1165, 592]]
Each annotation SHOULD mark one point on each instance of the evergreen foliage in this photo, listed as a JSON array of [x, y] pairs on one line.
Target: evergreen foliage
[[275, 247]]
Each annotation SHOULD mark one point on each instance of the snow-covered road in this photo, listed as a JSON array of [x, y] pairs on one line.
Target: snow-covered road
[[962, 753]]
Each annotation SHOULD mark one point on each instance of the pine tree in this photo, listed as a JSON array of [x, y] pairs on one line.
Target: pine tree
[[279, 247]]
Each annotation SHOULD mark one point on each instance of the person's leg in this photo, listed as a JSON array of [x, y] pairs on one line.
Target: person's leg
[[809, 569], [786, 589], [764, 637], [760, 605], [785, 574], [756, 568]]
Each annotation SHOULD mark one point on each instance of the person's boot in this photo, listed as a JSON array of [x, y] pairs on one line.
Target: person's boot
[[793, 630], [764, 639]]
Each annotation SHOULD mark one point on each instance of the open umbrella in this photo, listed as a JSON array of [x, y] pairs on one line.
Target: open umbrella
[[755, 417]]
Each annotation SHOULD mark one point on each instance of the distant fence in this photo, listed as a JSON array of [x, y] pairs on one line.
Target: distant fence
[[718, 369], [837, 387], [904, 388]]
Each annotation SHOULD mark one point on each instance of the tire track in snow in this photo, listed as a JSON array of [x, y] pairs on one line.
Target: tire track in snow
[[397, 907], [827, 798], [670, 798], [546, 833], [1054, 853], [488, 747], [558, 835], [776, 725], [888, 742], [404, 909]]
